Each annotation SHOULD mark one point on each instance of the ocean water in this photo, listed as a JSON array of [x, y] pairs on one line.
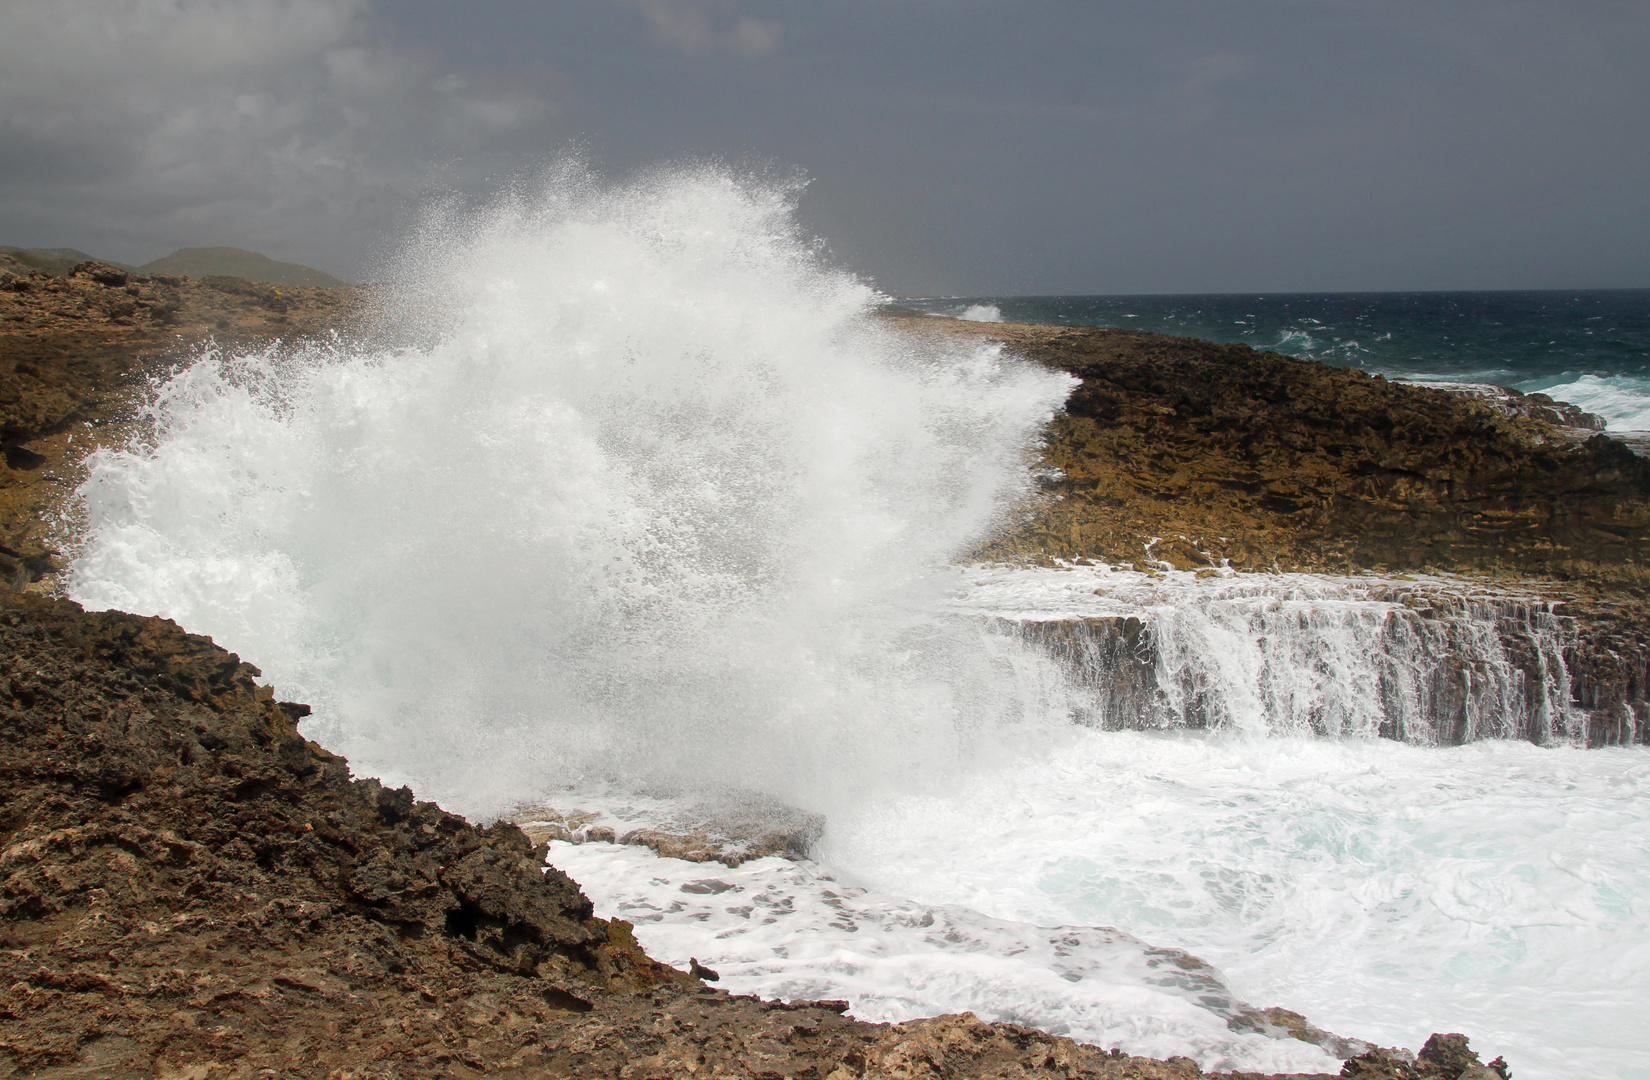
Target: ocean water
[[1588, 347], [1383, 890], [632, 494]]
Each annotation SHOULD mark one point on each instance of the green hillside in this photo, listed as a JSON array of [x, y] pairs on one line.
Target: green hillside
[[235, 262], [57, 261]]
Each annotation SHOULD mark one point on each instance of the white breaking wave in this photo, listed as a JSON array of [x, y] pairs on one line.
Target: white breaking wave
[[1622, 400], [981, 313]]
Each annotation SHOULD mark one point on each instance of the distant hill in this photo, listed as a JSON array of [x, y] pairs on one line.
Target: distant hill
[[55, 260], [234, 262], [195, 262]]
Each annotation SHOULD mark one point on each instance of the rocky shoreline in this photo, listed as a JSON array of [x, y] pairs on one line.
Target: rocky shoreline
[[1176, 453], [189, 888], [1188, 453], [74, 350]]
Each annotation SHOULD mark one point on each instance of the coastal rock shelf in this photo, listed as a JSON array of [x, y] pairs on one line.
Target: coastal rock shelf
[[1192, 453], [739, 827], [189, 887], [1509, 402]]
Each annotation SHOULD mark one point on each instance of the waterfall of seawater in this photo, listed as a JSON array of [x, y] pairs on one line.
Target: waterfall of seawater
[[1434, 662], [624, 492]]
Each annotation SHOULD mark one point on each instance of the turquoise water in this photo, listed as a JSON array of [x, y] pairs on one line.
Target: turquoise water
[[1588, 347]]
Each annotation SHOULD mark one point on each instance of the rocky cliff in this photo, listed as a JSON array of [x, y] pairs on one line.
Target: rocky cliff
[[189, 888]]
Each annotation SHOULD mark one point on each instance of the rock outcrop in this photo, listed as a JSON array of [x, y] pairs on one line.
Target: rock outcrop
[[1510, 402], [1187, 453], [1448, 665], [731, 832], [72, 350], [1184, 454], [189, 888]]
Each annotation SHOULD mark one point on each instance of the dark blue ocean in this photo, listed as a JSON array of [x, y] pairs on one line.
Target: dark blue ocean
[[1588, 347]]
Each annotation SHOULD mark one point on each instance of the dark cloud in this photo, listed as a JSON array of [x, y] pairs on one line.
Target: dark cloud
[[292, 126], [699, 25], [963, 146]]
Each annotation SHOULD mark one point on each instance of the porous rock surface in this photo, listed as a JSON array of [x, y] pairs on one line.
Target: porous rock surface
[[72, 350], [1222, 452], [1180, 453], [189, 888], [729, 832]]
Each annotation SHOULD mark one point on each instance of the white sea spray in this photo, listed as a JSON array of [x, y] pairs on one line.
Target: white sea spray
[[1622, 400], [628, 488], [625, 481]]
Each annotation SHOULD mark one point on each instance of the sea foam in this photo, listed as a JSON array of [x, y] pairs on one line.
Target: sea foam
[[1622, 400], [1385, 891]]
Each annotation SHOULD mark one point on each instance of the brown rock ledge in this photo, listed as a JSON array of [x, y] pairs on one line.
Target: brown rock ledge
[[72, 350], [189, 888], [731, 832], [1184, 452]]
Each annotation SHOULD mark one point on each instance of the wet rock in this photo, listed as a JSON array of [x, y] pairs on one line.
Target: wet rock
[[1541, 407], [1380, 1063], [188, 887], [732, 831], [1113, 658], [1443, 1057], [1276, 1021], [1448, 1054], [1464, 660]]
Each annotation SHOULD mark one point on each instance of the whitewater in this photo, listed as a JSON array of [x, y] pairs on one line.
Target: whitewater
[[625, 490]]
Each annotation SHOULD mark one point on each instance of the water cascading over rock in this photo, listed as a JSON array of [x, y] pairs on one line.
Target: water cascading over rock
[[1293, 655]]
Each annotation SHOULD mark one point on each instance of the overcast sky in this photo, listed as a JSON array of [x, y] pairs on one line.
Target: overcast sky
[[1068, 146]]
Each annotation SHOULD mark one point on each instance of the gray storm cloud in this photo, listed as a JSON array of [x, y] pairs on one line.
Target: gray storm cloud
[[695, 25], [144, 125], [959, 146]]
